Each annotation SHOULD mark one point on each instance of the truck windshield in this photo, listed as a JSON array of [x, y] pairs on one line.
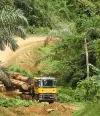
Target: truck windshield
[[48, 83]]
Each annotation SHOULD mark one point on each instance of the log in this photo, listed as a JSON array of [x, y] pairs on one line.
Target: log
[[15, 74], [20, 77], [20, 84]]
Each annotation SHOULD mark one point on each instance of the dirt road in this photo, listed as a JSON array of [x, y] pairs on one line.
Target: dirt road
[[8, 55], [55, 109]]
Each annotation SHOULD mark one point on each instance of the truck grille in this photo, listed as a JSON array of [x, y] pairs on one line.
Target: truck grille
[[47, 96]]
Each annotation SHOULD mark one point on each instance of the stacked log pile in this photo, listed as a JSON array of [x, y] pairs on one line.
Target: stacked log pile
[[20, 81]]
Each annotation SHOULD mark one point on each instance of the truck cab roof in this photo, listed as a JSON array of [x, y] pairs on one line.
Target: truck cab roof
[[44, 78]]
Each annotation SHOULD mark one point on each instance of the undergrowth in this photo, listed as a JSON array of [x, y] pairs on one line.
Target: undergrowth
[[92, 109], [88, 89], [15, 102], [65, 94], [89, 109]]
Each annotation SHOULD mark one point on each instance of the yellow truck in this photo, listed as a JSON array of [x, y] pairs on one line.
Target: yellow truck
[[45, 89], [39, 88]]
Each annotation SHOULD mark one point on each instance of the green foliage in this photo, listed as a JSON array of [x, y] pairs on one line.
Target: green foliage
[[65, 59], [65, 94], [96, 70], [14, 102], [91, 109], [51, 13], [6, 3], [97, 49], [4, 76], [11, 24], [42, 31], [15, 68], [88, 89], [44, 13]]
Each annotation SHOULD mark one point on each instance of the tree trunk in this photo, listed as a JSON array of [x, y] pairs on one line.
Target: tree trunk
[[87, 58], [20, 84], [20, 77]]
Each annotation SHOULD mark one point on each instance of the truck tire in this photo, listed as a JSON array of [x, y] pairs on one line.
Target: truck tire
[[51, 102]]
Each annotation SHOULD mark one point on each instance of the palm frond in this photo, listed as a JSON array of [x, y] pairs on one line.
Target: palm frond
[[4, 76], [18, 31], [7, 39], [20, 16], [11, 23], [13, 17]]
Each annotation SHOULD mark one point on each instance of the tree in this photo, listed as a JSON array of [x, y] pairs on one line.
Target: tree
[[6, 3], [11, 24]]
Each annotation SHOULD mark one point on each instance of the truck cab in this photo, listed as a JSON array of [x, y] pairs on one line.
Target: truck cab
[[45, 89]]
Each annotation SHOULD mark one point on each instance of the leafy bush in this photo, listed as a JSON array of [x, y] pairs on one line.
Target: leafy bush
[[14, 102], [91, 109], [42, 31], [65, 94], [88, 89]]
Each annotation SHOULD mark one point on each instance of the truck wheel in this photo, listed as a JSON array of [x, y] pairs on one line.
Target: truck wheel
[[51, 102]]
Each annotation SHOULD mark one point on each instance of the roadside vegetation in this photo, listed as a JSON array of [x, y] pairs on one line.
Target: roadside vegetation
[[15, 102], [71, 21], [14, 68]]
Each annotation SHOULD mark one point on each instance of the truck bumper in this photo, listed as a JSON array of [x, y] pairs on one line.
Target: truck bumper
[[47, 97]]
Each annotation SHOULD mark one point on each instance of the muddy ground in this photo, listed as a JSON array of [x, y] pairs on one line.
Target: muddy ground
[[55, 109]]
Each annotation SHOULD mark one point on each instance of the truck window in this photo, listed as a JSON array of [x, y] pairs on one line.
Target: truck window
[[49, 83]]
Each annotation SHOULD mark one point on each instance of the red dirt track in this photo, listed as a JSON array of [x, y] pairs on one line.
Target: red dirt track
[[8, 55]]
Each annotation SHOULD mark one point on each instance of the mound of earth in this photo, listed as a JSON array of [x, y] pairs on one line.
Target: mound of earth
[[55, 109]]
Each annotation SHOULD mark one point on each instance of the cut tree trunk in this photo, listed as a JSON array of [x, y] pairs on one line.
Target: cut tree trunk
[[20, 84], [20, 77]]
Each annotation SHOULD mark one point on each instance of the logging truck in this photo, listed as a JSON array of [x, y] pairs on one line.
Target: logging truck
[[39, 88]]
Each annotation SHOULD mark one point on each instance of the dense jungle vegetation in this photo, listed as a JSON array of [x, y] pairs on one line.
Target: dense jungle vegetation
[[72, 21]]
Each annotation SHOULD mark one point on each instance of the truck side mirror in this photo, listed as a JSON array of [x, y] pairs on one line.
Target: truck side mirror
[[36, 83]]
